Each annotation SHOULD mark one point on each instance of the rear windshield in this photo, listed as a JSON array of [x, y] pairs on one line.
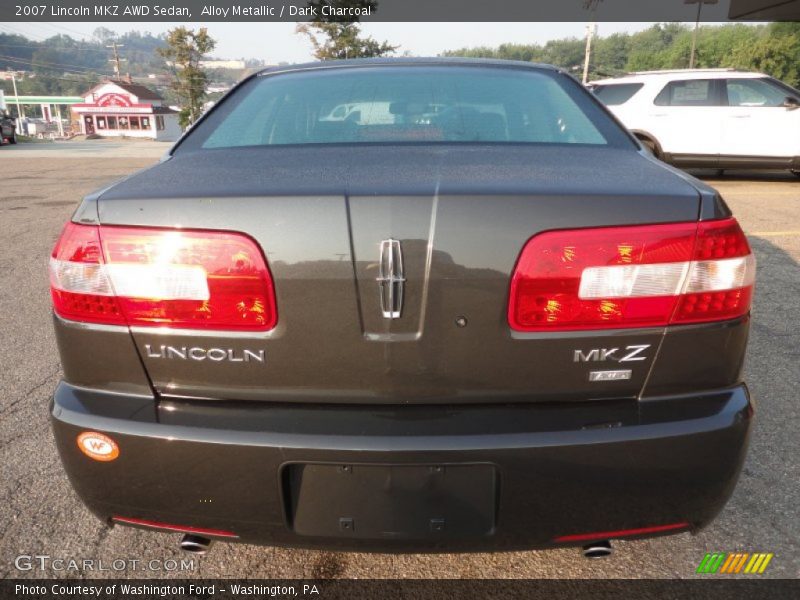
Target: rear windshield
[[614, 94], [408, 104]]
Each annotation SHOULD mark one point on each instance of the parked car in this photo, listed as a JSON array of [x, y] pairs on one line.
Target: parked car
[[39, 128], [8, 128], [373, 113], [503, 326], [717, 118]]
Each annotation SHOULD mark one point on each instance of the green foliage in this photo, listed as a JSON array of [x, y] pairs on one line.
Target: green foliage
[[340, 38], [612, 53], [773, 49], [518, 52], [184, 50], [564, 52], [776, 53]]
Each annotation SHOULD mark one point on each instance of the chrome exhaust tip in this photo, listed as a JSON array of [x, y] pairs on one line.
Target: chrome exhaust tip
[[195, 544], [598, 549]]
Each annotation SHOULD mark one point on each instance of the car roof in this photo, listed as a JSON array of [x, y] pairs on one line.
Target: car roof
[[410, 61], [681, 74]]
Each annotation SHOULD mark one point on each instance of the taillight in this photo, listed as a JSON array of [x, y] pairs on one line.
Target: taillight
[[161, 277], [634, 276]]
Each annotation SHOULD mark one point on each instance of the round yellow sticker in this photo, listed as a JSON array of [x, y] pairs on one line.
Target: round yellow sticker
[[98, 446]]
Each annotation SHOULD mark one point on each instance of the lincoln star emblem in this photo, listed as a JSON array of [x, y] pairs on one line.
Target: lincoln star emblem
[[391, 279]]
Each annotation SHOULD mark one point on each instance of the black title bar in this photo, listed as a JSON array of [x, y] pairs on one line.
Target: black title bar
[[709, 588], [396, 10]]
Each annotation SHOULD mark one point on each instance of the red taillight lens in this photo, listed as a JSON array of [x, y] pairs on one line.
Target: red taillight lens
[[79, 285], [720, 285], [162, 277], [637, 276]]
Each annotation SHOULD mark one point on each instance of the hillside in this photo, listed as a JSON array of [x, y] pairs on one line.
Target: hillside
[[61, 65]]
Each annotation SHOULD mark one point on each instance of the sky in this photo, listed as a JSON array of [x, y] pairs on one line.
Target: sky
[[278, 42]]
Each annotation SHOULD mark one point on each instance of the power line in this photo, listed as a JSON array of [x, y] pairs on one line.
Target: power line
[[89, 72], [43, 63], [50, 47], [52, 26], [46, 65], [76, 69], [56, 64], [88, 80], [63, 28], [86, 47], [27, 35]]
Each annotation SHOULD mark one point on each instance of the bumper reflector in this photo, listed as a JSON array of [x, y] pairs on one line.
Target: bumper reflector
[[604, 535], [172, 527]]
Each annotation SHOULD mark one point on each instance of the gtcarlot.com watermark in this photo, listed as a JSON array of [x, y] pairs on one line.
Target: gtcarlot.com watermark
[[45, 562]]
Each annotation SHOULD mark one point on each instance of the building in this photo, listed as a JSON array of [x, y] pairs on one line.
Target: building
[[222, 64], [117, 108]]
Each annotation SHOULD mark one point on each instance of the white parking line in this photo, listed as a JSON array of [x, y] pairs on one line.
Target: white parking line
[[775, 233]]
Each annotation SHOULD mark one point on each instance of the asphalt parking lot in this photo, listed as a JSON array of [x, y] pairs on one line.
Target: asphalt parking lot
[[40, 514]]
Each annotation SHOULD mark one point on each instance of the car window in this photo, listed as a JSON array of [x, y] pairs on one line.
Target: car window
[[690, 92], [614, 94], [411, 104], [754, 92], [789, 90]]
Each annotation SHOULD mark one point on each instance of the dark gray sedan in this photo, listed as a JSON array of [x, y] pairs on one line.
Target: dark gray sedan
[[404, 305]]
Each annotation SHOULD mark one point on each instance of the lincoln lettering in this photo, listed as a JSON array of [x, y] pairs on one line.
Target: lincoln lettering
[[200, 354]]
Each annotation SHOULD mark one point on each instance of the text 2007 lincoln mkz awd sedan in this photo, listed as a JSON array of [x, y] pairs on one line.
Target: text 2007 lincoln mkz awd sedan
[[404, 305]]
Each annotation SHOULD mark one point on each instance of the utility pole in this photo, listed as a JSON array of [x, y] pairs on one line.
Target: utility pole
[[20, 112], [696, 26], [117, 59], [60, 122], [591, 31]]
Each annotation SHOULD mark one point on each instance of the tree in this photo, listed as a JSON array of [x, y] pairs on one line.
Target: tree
[[335, 37], [566, 53], [610, 54], [183, 52], [776, 56], [772, 49], [104, 35]]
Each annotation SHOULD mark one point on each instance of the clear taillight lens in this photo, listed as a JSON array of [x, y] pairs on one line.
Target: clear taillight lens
[[161, 277], [637, 276]]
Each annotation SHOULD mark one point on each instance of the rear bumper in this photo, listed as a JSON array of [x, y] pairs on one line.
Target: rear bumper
[[556, 469]]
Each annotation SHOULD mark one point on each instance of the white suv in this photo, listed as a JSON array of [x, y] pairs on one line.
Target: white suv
[[717, 118]]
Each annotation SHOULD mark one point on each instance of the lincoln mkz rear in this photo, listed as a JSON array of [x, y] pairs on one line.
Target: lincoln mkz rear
[[409, 305]]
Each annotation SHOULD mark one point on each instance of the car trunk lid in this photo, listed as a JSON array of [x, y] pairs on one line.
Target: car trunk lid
[[457, 217]]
